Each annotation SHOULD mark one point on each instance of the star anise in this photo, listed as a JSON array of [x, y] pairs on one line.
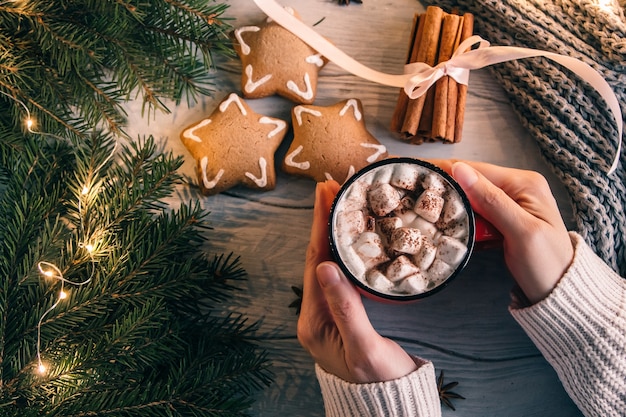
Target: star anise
[[347, 2], [297, 303], [445, 395]]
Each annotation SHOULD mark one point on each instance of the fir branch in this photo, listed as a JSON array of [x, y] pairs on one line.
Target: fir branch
[[52, 121], [88, 57], [147, 322], [146, 335]]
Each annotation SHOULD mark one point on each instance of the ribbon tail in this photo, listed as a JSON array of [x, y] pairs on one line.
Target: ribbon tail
[[327, 49], [480, 58]]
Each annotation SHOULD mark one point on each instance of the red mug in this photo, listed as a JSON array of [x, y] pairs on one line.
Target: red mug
[[472, 230]]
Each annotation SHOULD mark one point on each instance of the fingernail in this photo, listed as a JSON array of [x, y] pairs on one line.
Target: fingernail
[[464, 174], [327, 275]]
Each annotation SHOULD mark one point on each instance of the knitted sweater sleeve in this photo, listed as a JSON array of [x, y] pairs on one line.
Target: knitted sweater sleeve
[[580, 328], [413, 395]]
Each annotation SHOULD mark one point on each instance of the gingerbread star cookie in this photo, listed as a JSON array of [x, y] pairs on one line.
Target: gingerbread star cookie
[[233, 146], [331, 142], [275, 61]]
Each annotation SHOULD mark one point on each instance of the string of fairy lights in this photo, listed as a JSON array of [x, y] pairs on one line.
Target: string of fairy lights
[[49, 270]]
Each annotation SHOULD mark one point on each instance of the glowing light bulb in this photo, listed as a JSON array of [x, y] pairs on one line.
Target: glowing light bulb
[[89, 247], [49, 274], [42, 368], [29, 123], [85, 190], [62, 295]]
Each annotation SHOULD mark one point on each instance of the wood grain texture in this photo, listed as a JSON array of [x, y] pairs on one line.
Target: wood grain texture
[[466, 329]]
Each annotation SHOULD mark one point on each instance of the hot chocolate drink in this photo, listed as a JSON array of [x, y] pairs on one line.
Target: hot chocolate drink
[[401, 227]]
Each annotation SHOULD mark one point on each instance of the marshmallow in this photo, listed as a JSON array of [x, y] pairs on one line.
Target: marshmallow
[[407, 217], [379, 281], [439, 271], [457, 229], [383, 199], [404, 176], [453, 210], [353, 262], [406, 240], [451, 250], [434, 183], [400, 268], [382, 176], [349, 224], [406, 204], [414, 284], [405, 210], [355, 197], [370, 249], [429, 206], [388, 224], [426, 255], [427, 228]]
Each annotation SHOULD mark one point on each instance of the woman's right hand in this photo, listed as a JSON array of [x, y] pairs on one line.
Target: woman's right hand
[[520, 204]]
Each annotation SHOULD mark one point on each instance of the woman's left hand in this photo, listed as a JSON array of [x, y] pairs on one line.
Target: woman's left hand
[[333, 325]]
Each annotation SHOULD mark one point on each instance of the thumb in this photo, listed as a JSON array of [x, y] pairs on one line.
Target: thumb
[[488, 200], [345, 305]]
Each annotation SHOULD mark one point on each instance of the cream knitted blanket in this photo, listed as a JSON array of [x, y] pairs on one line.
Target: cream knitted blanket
[[572, 125]]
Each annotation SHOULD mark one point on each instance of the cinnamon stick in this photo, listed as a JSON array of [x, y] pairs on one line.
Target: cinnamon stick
[[426, 119], [467, 29], [403, 100], [427, 52], [439, 113], [450, 33], [453, 92]]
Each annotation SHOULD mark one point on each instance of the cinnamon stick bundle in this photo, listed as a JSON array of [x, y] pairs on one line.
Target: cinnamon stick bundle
[[438, 114]]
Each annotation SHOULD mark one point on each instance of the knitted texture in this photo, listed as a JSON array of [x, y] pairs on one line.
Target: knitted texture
[[581, 330], [576, 132], [414, 395]]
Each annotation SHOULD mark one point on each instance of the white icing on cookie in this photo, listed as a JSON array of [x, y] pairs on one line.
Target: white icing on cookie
[[351, 172], [280, 125], [261, 181], [379, 150], [252, 85], [315, 59], [298, 110], [209, 184], [190, 133], [245, 48], [351, 103], [233, 98], [300, 165], [306, 94]]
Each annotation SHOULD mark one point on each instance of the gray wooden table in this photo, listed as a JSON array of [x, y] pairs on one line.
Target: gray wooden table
[[465, 330]]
